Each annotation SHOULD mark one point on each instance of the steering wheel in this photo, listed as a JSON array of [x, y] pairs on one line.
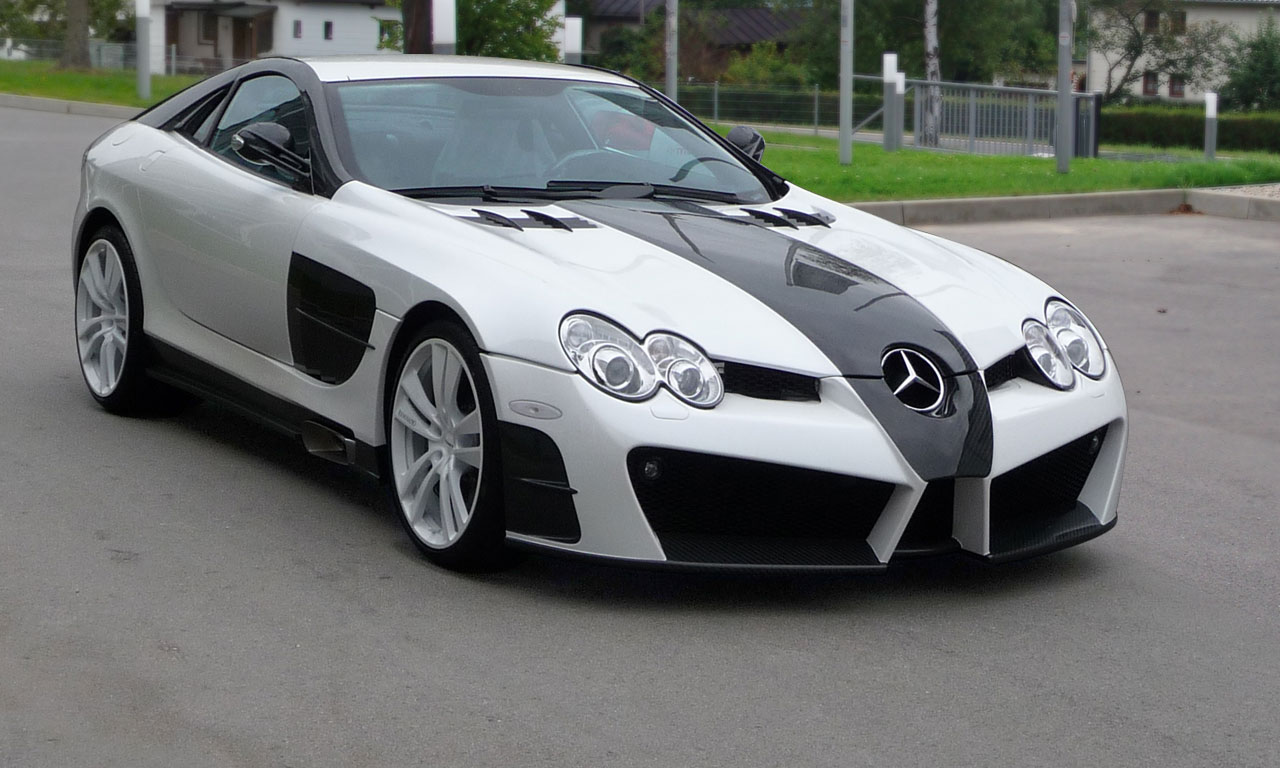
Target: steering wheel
[[684, 169], [555, 170]]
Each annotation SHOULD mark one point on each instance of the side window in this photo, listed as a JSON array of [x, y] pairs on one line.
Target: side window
[[267, 99]]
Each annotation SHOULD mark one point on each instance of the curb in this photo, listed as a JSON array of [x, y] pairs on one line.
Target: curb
[[86, 108], [1131, 203]]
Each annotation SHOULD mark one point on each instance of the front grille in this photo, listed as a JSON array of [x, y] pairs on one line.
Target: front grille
[[929, 530], [706, 508], [767, 383], [1037, 503], [1002, 371]]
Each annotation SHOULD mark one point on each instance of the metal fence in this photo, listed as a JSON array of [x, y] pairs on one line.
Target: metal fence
[[108, 55], [972, 118]]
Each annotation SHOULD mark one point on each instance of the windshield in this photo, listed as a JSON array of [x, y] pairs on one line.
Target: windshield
[[445, 136]]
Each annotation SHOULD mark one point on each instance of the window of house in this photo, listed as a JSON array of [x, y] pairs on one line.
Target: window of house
[[297, 29], [1151, 84], [328, 30], [1177, 86], [388, 33], [1178, 22], [1150, 21], [208, 28]]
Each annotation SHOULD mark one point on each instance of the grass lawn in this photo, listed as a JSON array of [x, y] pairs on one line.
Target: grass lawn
[[813, 163], [43, 78]]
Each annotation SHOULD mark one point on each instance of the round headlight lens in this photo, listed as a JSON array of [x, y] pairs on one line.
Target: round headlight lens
[[608, 357], [1048, 355], [613, 360], [1077, 337], [685, 370]]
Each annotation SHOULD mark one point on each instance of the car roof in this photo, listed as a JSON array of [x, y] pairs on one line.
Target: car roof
[[396, 66]]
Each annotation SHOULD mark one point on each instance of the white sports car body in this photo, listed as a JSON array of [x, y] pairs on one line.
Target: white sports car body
[[554, 311]]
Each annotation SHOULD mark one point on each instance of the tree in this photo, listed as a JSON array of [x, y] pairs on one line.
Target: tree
[[1131, 45], [765, 64], [515, 29], [1253, 69], [932, 114], [47, 19], [75, 44]]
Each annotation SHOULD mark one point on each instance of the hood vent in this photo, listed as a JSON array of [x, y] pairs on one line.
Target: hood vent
[[786, 217], [533, 219]]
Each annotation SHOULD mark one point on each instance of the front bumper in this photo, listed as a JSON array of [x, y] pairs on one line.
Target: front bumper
[[757, 483]]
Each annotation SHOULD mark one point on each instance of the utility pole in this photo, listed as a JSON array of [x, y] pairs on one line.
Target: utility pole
[[1066, 115], [846, 81], [673, 55], [142, 47]]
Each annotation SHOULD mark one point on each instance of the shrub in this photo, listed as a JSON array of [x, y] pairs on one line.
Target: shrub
[[1181, 127]]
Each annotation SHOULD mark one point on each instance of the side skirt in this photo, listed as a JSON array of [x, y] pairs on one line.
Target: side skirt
[[172, 366]]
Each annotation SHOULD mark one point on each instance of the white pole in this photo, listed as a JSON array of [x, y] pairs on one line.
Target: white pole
[[1210, 125], [1066, 113], [142, 47], [573, 39], [899, 108], [889, 76], [673, 39], [444, 27], [846, 81]]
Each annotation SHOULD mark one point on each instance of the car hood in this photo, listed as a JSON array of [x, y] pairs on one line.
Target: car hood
[[801, 284]]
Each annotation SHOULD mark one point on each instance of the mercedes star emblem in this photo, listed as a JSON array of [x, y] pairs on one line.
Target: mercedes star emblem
[[914, 379]]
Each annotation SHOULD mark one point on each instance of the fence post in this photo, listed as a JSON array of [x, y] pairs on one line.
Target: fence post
[[1031, 123], [915, 118], [1210, 125], [973, 120], [715, 101], [815, 109], [890, 74], [173, 59]]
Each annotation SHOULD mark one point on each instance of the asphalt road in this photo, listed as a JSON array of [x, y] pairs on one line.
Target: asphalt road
[[196, 591]]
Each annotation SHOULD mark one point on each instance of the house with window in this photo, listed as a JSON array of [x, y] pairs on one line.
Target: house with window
[[212, 35], [1243, 15]]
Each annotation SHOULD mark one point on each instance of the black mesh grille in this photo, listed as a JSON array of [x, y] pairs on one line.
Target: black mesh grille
[[1001, 371], [929, 530], [707, 508], [1036, 504], [767, 383]]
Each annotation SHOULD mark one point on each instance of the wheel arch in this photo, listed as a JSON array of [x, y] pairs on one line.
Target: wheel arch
[[419, 315], [95, 219]]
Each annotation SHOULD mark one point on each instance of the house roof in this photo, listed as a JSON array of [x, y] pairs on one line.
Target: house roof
[[730, 26]]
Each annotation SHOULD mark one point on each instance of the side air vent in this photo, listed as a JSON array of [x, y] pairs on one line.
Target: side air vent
[[532, 219], [767, 383]]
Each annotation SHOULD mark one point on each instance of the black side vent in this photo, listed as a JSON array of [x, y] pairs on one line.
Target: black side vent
[[330, 317], [929, 530], [767, 383], [532, 219], [1002, 371]]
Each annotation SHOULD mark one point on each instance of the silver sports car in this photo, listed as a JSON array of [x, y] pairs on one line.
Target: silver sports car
[[552, 310]]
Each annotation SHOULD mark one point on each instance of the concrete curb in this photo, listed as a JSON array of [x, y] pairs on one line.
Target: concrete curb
[[1144, 202], [67, 107]]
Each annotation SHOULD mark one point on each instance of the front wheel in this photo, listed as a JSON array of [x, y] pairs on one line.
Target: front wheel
[[445, 478]]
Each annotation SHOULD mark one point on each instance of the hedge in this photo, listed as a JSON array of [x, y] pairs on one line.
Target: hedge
[[1163, 127]]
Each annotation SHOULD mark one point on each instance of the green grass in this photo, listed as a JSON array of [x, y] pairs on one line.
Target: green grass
[[813, 163], [43, 78]]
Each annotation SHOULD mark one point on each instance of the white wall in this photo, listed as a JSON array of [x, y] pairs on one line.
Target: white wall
[[355, 29]]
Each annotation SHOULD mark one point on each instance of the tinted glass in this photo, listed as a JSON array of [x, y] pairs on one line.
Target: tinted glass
[[450, 132], [268, 99]]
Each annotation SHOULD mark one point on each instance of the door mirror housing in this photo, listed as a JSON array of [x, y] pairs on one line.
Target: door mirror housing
[[270, 144], [749, 140]]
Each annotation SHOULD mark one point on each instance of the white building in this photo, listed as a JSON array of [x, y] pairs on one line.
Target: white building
[[214, 35], [1243, 15]]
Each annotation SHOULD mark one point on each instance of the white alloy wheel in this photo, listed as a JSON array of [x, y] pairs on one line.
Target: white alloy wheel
[[436, 441], [102, 317]]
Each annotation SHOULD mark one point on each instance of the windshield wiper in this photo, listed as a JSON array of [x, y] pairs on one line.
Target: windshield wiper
[[571, 190], [631, 190]]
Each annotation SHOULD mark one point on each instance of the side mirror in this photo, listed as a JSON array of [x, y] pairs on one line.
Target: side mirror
[[270, 144], [749, 140]]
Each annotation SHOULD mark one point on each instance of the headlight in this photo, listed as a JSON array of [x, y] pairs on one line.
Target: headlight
[[1077, 338], [614, 361], [1048, 354]]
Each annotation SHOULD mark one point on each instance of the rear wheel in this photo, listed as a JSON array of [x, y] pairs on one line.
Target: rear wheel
[[444, 473]]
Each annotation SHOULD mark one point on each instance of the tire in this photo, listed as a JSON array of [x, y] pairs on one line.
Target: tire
[[109, 338], [444, 475]]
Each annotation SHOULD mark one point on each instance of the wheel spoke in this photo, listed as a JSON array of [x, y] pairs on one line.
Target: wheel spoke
[[448, 523], [453, 483], [91, 328], [93, 287], [411, 386], [470, 456], [421, 497], [108, 355], [415, 472], [445, 373], [407, 415], [468, 425], [111, 277]]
